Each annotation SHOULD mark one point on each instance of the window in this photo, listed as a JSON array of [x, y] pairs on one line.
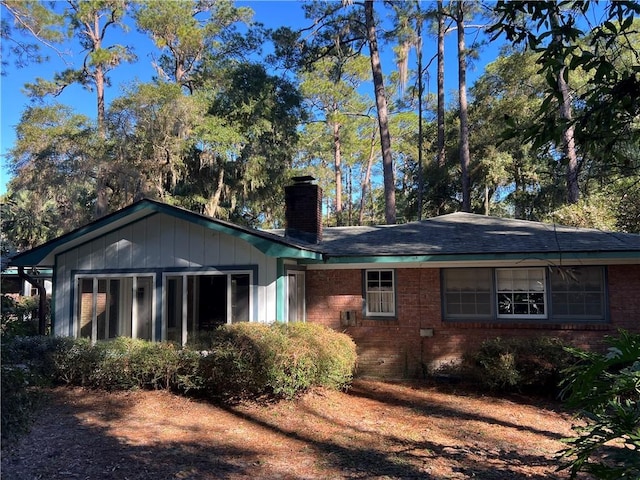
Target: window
[[570, 294], [467, 292], [380, 293], [521, 292], [578, 293], [110, 307], [198, 303], [295, 296]]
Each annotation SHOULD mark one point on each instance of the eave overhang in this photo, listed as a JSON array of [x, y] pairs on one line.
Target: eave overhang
[[437, 260], [271, 245]]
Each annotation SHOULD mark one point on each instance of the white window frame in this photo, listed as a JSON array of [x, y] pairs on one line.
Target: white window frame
[[368, 293], [185, 275], [522, 291], [95, 277], [300, 278]]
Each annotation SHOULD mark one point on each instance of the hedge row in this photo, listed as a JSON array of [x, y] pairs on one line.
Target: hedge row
[[236, 361]]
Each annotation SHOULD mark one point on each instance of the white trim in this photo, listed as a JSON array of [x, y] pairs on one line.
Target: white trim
[[95, 278], [368, 312], [185, 297], [522, 316]]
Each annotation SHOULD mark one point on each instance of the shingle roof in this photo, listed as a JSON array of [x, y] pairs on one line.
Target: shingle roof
[[466, 233]]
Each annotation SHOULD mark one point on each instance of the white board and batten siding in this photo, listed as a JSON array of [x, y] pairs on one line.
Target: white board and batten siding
[[156, 243]]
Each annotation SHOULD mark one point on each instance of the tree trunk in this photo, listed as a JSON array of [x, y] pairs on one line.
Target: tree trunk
[[211, 208], [465, 156], [383, 120], [102, 177], [367, 177], [420, 133], [441, 32], [337, 163], [93, 32], [568, 132]]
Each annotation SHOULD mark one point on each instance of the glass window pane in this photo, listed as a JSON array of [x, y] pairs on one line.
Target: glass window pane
[[174, 309], [466, 292], [240, 298], [521, 292], [85, 307], [143, 299], [578, 293], [380, 292], [114, 307]]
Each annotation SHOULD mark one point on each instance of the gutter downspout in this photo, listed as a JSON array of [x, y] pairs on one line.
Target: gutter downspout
[[42, 293]]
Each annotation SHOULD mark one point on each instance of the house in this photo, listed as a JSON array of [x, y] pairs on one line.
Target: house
[[412, 296], [13, 285]]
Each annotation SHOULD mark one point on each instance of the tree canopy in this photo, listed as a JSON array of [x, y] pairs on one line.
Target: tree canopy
[[548, 131]]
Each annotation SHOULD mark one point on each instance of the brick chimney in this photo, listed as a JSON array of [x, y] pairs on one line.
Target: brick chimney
[[303, 210]]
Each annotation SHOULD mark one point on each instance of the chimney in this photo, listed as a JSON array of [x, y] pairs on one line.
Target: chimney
[[303, 210]]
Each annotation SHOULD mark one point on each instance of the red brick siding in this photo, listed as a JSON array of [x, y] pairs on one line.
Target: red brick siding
[[394, 348]]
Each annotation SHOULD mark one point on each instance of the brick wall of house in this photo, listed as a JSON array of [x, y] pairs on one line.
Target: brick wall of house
[[397, 349]]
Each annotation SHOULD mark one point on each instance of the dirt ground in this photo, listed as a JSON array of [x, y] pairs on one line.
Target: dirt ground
[[374, 431]]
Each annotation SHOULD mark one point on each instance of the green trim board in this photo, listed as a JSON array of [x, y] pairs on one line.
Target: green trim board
[[337, 260], [280, 290]]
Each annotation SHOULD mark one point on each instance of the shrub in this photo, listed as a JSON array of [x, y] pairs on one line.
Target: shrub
[[334, 353], [516, 364], [125, 363], [606, 389], [250, 359], [18, 316], [74, 361], [18, 400], [24, 368], [236, 361]]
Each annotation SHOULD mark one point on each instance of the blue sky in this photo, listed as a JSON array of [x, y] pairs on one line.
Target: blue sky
[[269, 12]]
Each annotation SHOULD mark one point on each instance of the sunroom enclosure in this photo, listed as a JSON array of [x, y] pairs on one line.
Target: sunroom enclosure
[[125, 306]]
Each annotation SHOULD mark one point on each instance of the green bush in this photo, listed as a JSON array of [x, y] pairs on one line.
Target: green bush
[[18, 317], [519, 364], [24, 368], [250, 359], [125, 363], [74, 361], [236, 361], [606, 390], [18, 400], [334, 353]]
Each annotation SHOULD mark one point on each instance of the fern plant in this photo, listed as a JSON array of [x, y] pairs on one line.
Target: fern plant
[[605, 388]]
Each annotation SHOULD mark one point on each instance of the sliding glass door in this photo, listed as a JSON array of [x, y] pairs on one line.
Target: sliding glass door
[[110, 307], [196, 304]]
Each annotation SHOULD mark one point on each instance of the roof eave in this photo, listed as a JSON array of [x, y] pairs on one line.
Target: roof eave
[[599, 256], [44, 255]]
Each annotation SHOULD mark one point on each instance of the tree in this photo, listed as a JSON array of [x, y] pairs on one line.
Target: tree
[[91, 20], [459, 12], [344, 29], [192, 32], [383, 115], [509, 88], [441, 159], [41, 26], [155, 126], [53, 174], [606, 390], [609, 107], [331, 93], [264, 112]]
